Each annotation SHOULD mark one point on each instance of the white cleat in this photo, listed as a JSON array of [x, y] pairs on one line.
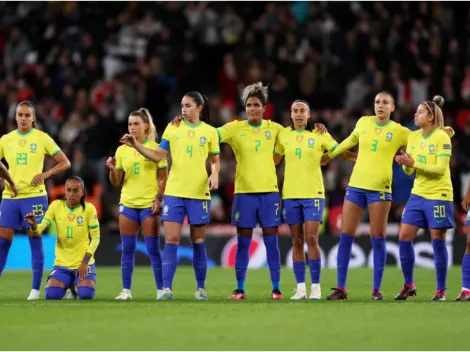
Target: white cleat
[[159, 292], [299, 295], [33, 295], [201, 295], [69, 294], [316, 292], [125, 295], [165, 295]]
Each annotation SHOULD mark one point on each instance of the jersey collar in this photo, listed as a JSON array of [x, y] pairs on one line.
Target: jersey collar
[[432, 132], [26, 134], [192, 126], [249, 124]]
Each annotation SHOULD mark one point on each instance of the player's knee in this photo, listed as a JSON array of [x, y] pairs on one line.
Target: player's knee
[[86, 292], [54, 293], [298, 242], [312, 241]]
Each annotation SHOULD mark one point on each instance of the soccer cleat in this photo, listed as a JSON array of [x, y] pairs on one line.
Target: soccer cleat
[[69, 294], [377, 295], [299, 295], [276, 295], [201, 295], [125, 295], [464, 296], [316, 292], [407, 291], [338, 294], [166, 295], [440, 295], [159, 292], [237, 295], [33, 295]]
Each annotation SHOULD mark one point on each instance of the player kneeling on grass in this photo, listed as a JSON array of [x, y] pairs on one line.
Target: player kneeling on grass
[[78, 236]]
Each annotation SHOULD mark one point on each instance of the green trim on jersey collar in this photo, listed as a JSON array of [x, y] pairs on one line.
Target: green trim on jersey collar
[[432, 132], [191, 126], [384, 125], [260, 125], [26, 134], [299, 131], [72, 210]]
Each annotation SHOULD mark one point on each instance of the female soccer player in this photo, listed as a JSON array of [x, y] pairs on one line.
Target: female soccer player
[[78, 236], [140, 198], [24, 150], [370, 186], [188, 188], [303, 193], [465, 293], [430, 205]]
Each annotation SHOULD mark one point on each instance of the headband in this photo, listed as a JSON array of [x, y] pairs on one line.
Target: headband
[[429, 108], [300, 102]]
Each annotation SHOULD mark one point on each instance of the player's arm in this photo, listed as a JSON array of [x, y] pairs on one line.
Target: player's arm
[[214, 156], [348, 143], [94, 231], [434, 169], [116, 171], [466, 200], [226, 132], [155, 155], [278, 152], [162, 178], [4, 173], [349, 156], [38, 229]]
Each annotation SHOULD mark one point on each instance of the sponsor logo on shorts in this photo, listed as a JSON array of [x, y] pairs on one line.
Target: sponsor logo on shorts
[[237, 216], [284, 213], [121, 208], [165, 210]]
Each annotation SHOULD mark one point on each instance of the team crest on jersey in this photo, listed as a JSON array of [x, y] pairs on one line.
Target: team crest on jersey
[[202, 140], [165, 210], [191, 133], [423, 145], [80, 220], [299, 139], [432, 148], [237, 216], [389, 136], [311, 142], [33, 147], [136, 153], [256, 130], [22, 143], [378, 130], [71, 217], [267, 134]]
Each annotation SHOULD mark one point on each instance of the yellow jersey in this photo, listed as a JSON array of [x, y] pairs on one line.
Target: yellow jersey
[[253, 147], [24, 154], [303, 150], [78, 232], [378, 145], [432, 157], [190, 146], [140, 186]]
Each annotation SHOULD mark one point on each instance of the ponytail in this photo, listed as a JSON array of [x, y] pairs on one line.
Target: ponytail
[[201, 100], [435, 109], [144, 114]]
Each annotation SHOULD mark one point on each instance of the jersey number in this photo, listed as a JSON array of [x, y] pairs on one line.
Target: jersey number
[[136, 169], [374, 145], [317, 204], [189, 150], [38, 210], [69, 232], [439, 211], [421, 159], [258, 143], [277, 208], [21, 158], [298, 153], [205, 206]]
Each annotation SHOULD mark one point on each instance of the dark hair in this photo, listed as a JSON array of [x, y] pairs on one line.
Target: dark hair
[[144, 114], [256, 90], [200, 99], [388, 93], [30, 105], [82, 184], [310, 124]]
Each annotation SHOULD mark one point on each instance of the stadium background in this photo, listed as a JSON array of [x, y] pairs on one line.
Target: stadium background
[[87, 65]]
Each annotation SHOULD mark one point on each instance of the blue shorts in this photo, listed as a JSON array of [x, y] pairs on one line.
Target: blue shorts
[[136, 215], [467, 222], [175, 209], [297, 211], [69, 276], [13, 211], [248, 209], [362, 197], [428, 214]]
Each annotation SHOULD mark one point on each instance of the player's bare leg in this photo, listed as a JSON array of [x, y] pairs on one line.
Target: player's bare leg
[[6, 237], [351, 217], [198, 237], [151, 232], [274, 260], [441, 262], [378, 214], [298, 258], [465, 293], [172, 240], [407, 259], [241, 262], [314, 257]]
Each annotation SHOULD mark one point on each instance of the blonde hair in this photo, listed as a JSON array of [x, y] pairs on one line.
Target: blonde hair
[[435, 108], [147, 118], [256, 90]]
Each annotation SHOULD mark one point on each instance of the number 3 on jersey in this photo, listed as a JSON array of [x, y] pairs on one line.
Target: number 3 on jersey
[[374, 145]]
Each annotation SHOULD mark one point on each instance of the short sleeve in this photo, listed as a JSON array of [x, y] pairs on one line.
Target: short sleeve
[[214, 143], [163, 164], [51, 146], [50, 213], [328, 142], [226, 132], [119, 159], [2, 153], [93, 221], [167, 133], [405, 133], [444, 146], [279, 148]]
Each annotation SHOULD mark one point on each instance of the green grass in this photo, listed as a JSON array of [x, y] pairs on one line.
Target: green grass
[[254, 324]]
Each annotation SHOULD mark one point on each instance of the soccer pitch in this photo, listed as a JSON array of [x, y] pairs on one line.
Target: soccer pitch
[[254, 324]]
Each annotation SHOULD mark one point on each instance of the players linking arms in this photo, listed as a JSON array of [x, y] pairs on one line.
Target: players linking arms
[[430, 205], [187, 193], [303, 193], [78, 236]]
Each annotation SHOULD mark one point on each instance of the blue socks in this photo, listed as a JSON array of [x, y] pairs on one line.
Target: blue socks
[[315, 270], [274, 259], [466, 271], [153, 249], [4, 249], [242, 258], [407, 259], [54, 293], [37, 260], [299, 272], [343, 258], [440, 262], [380, 258], [170, 261], [129, 243], [200, 263], [85, 292]]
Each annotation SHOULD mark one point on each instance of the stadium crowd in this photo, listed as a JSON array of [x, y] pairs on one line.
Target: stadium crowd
[[87, 65]]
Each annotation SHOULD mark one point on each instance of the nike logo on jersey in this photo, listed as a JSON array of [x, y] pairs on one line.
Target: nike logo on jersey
[[242, 134], [177, 138]]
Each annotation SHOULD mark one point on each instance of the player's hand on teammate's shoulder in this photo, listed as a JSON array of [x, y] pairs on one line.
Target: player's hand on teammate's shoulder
[[325, 159], [177, 120], [128, 139], [111, 163], [321, 128], [30, 218]]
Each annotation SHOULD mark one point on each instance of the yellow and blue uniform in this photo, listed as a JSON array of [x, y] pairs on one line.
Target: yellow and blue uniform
[[140, 187], [256, 191], [78, 233], [187, 191], [431, 201], [371, 179], [303, 192], [24, 154]]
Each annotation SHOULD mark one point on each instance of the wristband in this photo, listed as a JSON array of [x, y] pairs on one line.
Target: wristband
[[86, 259], [160, 197]]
